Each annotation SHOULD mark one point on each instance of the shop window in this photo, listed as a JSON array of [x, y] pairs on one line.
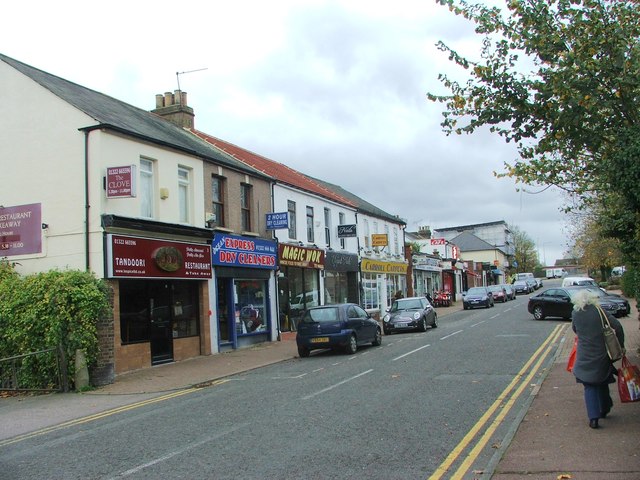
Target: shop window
[[291, 210], [141, 301], [304, 291], [335, 287], [371, 295], [185, 310], [250, 306]]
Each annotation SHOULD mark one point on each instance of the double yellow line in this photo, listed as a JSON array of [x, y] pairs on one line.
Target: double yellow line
[[106, 413], [543, 351]]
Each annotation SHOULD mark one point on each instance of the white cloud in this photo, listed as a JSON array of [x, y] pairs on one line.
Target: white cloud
[[336, 89]]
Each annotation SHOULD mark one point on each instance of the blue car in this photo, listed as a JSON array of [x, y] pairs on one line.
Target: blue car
[[344, 326], [477, 297]]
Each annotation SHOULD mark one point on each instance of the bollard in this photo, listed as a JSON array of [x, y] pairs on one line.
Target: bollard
[[82, 372]]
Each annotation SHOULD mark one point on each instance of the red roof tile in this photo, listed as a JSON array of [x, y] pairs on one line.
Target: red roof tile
[[278, 171]]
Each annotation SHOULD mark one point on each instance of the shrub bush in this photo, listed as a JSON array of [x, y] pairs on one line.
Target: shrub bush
[[47, 310], [630, 283]]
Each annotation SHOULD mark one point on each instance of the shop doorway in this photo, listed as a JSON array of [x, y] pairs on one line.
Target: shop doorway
[[224, 321], [161, 331]]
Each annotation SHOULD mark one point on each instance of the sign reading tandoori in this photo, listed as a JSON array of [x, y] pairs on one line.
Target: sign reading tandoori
[[296, 256], [376, 266], [135, 257]]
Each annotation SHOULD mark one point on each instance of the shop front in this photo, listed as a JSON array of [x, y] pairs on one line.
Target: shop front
[[244, 271], [380, 281], [340, 277], [427, 276], [160, 299], [299, 282]]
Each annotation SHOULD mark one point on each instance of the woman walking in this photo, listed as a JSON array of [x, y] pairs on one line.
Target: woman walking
[[593, 368]]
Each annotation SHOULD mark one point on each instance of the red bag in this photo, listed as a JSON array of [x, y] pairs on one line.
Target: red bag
[[628, 381], [572, 355]]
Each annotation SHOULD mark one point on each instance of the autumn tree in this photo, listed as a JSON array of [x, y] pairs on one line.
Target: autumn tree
[[526, 254], [561, 80]]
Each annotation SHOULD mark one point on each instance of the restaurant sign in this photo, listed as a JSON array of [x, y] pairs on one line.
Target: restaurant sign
[[135, 257], [20, 230], [121, 182], [238, 251], [296, 256]]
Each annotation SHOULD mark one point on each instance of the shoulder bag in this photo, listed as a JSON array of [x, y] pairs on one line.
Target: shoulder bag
[[614, 349]]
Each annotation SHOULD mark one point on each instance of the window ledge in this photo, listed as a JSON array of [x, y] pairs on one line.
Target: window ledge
[[250, 234], [222, 229]]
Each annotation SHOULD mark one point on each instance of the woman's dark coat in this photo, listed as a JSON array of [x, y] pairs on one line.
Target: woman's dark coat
[[592, 364]]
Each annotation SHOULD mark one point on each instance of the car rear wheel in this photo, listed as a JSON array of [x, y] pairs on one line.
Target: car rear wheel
[[303, 352], [352, 346], [377, 339], [538, 313]]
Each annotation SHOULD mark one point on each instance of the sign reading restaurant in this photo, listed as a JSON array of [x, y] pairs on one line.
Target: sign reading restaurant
[[20, 230], [236, 251], [135, 257]]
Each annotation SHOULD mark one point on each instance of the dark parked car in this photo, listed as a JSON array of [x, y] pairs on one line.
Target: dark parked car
[[624, 308], [412, 313], [556, 302], [533, 285], [521, 287], [343, 326], [477, 297], [499, 293]]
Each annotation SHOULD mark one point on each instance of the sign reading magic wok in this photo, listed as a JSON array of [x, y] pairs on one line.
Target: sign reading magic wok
[[296, 256], [135, 257], [376, 266]]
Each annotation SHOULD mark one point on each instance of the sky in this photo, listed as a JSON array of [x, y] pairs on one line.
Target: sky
[[334, 89]]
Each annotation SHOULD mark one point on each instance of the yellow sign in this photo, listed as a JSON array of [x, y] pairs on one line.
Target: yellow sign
[[376, 266], [379, 240]]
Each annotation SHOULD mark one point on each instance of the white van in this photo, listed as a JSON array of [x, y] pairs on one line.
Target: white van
[[580, 281], [524, 276]]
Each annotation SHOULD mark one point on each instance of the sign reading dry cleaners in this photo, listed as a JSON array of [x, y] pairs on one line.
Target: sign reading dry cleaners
[[237, 251]]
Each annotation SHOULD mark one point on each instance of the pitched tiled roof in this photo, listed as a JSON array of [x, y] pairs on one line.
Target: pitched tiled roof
[[362, 205], [114, 114], [278, 171]]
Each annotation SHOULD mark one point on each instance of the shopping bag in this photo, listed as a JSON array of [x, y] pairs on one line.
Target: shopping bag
[[572, 355], [628, 381]]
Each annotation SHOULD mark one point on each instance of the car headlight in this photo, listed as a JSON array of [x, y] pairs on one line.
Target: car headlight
[[416, 315], [386, 318]]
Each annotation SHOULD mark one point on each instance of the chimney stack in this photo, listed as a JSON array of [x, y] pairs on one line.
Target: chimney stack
[[173, 107]]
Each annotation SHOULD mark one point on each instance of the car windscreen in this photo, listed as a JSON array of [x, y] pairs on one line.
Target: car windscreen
[[406, 305], [477, 291], [321, 315]]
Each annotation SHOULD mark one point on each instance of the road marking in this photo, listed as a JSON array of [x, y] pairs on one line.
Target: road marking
[[495, 316], [106, 413], [307, 397], [464, 443], [409, 353], [180, 451], [451, 335], [476, 324]]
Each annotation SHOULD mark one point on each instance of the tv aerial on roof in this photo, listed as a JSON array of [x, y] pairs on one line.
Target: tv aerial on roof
[[188, 71]]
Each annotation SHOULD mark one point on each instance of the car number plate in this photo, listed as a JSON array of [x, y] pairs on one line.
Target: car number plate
[[320, 340], [401, 325]]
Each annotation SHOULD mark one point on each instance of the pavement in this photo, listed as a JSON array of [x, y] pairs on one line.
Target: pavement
[[550, 439]]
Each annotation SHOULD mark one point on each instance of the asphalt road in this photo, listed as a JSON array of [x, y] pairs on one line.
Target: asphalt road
[[418, 405]]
